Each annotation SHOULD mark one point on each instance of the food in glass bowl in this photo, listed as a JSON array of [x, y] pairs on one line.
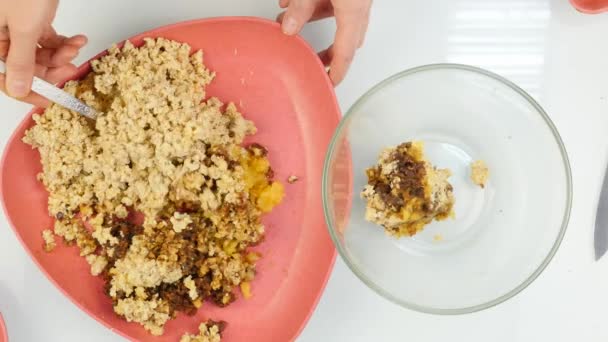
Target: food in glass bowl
[[480, 173], [405, 192]]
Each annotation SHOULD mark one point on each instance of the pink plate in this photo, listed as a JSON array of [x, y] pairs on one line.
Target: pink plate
[[590, 6], [3, 333], [279, 83]]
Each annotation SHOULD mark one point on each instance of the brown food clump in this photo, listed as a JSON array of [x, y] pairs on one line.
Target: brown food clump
[[404, 192]]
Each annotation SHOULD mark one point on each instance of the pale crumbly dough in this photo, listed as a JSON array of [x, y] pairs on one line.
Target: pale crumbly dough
[[136, 269], [161, 149], [101, 233], [180, 221], [207, 332], [151, 313], [191, 286], [98, 263], [49, 240], [479, 173]]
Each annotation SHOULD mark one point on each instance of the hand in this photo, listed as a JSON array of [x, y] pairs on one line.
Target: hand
[[30, 45], [352, 18]]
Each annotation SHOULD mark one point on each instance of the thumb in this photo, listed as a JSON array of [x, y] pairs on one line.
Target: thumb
[[20, 62], [298, 13]]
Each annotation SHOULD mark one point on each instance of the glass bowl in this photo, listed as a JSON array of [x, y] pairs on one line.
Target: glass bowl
[[502, 236]]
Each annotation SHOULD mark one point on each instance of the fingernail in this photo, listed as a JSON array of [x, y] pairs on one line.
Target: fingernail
[[17, 88], [289, 25]]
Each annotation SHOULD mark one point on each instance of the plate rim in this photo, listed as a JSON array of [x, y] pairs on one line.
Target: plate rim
[[3, 330]]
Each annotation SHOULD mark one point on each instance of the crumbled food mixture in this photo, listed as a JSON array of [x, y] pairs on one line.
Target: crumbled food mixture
[[437, 237], [208, 332], [479, 173], [159, 149], [49, 240], [292, 179], [405, 192]]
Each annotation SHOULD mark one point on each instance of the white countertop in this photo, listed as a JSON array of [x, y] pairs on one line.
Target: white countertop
[[545, 46]]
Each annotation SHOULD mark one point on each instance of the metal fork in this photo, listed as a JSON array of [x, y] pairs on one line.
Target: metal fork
[[58, 96]]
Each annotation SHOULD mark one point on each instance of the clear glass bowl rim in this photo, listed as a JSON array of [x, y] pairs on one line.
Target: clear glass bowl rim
[[369, 282]]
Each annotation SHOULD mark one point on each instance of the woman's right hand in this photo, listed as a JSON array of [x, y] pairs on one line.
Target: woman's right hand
[[30, 46]]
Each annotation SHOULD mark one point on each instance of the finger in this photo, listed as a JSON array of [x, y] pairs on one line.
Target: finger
[[345, 45], [57, 57], [323, 11], [4, 32], [20, 61], [298, 13], [78, 40], [64, 54], [31, 98], [50, 38], [4, 45], [283, 3], [40, 71], [363, 33], [326, 55], [56, 75]]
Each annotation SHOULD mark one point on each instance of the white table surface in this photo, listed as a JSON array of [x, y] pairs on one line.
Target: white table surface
[[545, 46]]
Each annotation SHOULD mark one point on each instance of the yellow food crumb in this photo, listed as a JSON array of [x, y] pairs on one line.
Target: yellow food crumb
[[253, 257], [246, 290], [479, 173], [49, 240], [270, 197]]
